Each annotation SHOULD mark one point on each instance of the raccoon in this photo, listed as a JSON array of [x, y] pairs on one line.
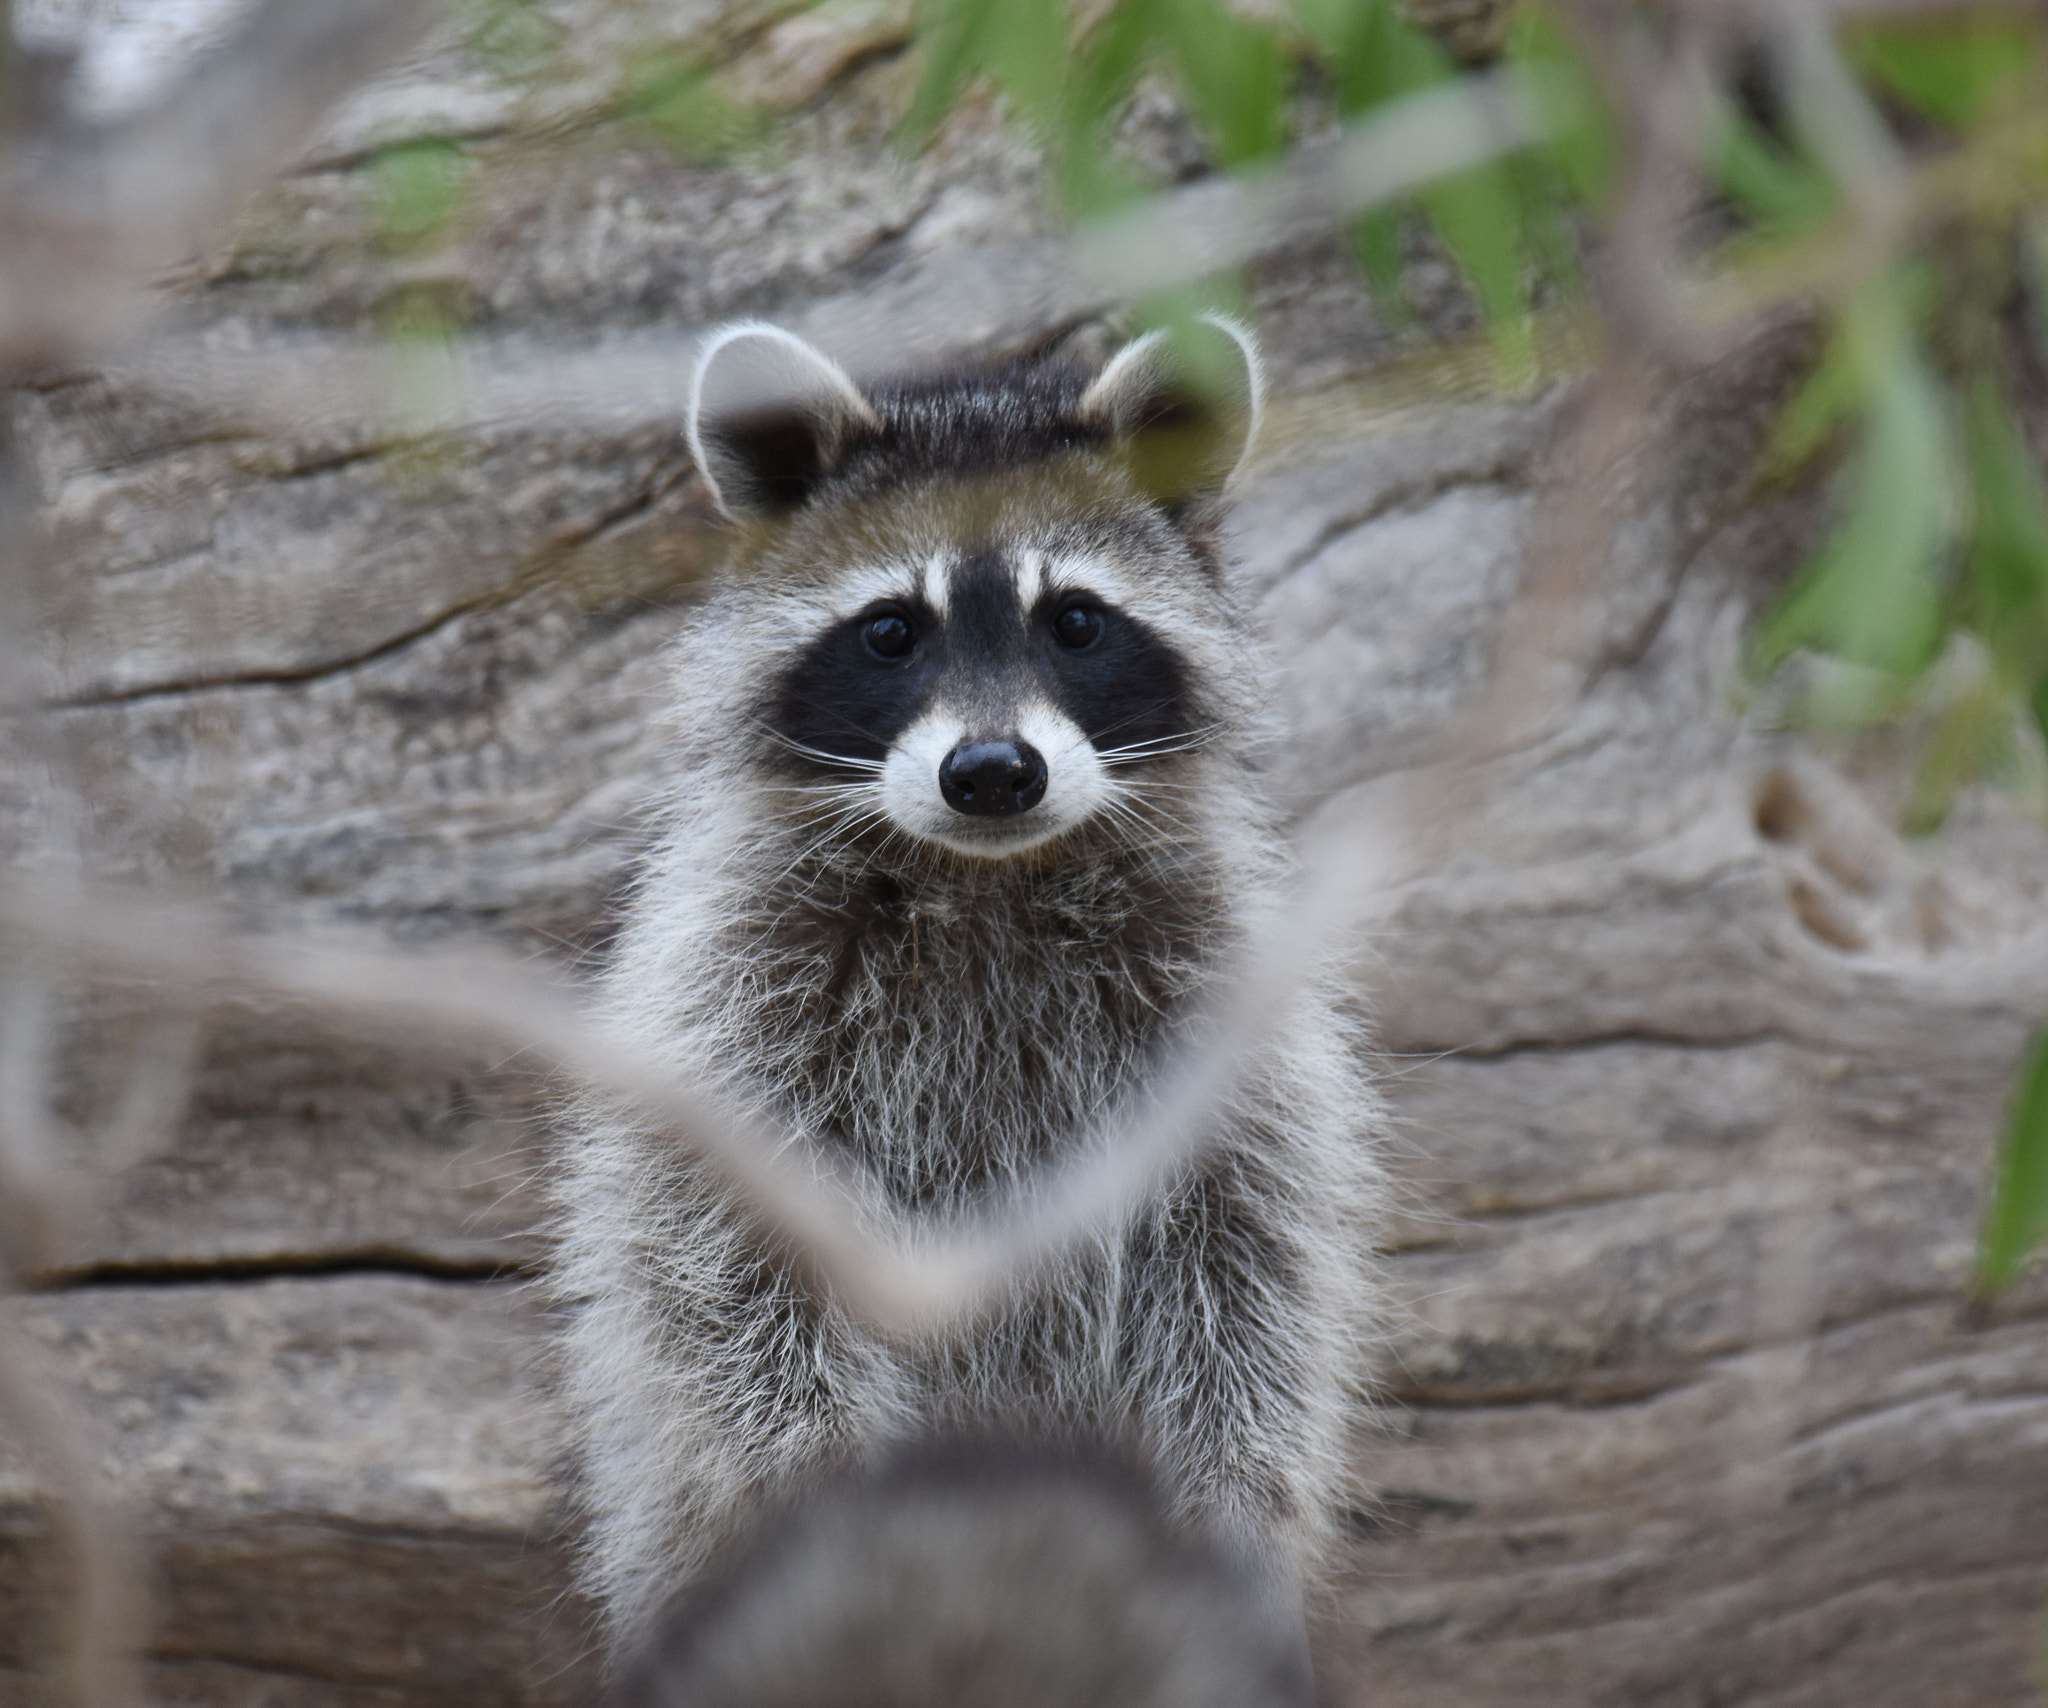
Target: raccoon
[[963, 816], [970, 1573]]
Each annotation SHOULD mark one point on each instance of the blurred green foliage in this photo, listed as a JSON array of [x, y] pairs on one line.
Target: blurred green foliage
[[1926, 602], [1929, 593], [1953, 67], [678, 99], [1240, 78], [1066, 85], [513, 37], [2017, 1221], [418, 188]]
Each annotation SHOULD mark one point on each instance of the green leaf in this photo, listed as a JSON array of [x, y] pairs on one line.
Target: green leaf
[[1872, 595], [512, 37], [1025, 48], [1328, 23], [1825, 402], [1370, 61], [1480, 220], [2033, 270], [1111, 56], [1021, 45], [1375, 56], [2008, 560], [2017, 1218], [949, 45], [1584, 142], [1380, 55], [1953, 68], [683, 103], [1781, 191], [1376, 236], [419, 186], [1545, 197], [1235, 77], [1972, 727]]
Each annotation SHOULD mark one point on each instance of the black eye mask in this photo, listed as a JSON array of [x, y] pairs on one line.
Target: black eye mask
[[857, 687]]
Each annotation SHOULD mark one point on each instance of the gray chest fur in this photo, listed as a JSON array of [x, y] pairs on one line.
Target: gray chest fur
[[951, 1033]]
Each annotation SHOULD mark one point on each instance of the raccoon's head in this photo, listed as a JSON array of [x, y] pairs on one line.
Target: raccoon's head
[[984, 610]]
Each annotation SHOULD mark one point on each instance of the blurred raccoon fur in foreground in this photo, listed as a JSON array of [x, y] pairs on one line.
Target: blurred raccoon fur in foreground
[[962, 814], [973, 1576]]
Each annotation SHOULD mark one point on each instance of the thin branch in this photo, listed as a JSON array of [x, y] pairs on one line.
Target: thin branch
[[105, 1614], [1403, 146], [106, 1610], [99, 210], [88, 214], [910, 1275], [91, 213], [989, 297], [1841, 125]]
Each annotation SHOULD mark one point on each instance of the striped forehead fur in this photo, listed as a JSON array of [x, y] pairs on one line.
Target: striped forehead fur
[[957, 425], [1078, 526]]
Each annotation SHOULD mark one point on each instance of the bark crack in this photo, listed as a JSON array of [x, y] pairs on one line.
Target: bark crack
[[516, 587], [196, 1272]]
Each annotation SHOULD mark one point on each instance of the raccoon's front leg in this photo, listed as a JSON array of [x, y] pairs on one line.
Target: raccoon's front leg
[[1237, 1364], [729, 1383]]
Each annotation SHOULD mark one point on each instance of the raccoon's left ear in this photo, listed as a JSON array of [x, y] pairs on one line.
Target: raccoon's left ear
[[769, 418], [1185, 405]]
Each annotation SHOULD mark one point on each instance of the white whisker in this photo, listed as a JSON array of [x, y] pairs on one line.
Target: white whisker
[[818, 753], [1159, 747]]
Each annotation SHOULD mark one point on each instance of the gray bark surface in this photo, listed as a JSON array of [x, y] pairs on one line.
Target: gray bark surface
[[1699, 1067]]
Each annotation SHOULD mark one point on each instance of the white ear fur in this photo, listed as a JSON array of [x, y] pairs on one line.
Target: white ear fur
[[1117, 396], [1130, 386], [1254, 383], [769, 370]]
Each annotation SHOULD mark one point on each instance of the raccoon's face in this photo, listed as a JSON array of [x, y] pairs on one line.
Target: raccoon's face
[[996, 622], [991, 703]]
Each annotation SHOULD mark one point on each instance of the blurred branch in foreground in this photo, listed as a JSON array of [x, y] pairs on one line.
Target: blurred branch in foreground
[[88, 214], [1824, 200], [477, 383]]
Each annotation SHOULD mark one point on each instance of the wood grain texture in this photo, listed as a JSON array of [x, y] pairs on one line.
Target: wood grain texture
[[1698, 1067]]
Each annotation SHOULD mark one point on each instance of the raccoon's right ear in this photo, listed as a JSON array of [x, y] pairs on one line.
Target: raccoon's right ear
[[769, 418], [1185, 405]]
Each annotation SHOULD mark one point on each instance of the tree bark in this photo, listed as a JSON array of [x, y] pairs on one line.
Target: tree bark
[[1699, 1067]]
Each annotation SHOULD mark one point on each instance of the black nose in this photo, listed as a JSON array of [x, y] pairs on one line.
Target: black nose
[[989, 779]]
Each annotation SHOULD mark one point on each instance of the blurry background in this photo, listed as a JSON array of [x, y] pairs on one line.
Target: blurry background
[[1702, 1061]]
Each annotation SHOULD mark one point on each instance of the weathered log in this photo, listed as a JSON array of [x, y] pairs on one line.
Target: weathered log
[[1700, 1066]]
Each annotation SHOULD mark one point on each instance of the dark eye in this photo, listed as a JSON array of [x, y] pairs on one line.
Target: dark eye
[[1078, 627], [888, 636]]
